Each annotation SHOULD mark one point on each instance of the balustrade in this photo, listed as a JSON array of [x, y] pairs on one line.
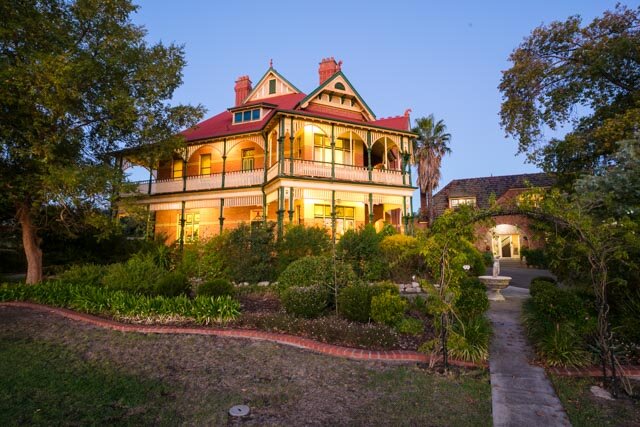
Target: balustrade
[[255, 177]]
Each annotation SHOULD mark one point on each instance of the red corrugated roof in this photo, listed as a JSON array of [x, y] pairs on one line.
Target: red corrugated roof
[[221, 124], [398, 122]]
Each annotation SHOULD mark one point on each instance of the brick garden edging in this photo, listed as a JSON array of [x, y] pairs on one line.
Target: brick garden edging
[[629, 371], [401, 356]]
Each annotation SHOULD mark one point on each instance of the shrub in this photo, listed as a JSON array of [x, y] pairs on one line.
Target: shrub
[[559, 305], [173, 284], [487, 258], [85, 274], [247, 252], [469, 340], [140, 275], [472, 283], [300, 241], [385, 286], [540, 286], [471, 303], [535, 258], [410, 326], [561, 346], [559, 324], [354, 302], [316, 271], [388, 308], [215, 288], [402, 257], [361, 249], [308, 301], [474, 258]]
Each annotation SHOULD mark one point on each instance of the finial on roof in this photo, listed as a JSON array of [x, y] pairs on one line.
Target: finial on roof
[[407, 112], [271, 63]]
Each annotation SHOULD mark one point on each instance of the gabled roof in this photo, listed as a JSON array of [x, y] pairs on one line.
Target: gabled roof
[[222, 124], [339, 76], [264, 80], [483, 188]]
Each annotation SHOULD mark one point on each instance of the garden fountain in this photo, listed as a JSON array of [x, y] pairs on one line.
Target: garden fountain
[[495, 283]]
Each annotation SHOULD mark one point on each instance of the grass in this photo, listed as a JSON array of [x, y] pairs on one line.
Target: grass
[[55, 371], [43, 384], [584, 409]]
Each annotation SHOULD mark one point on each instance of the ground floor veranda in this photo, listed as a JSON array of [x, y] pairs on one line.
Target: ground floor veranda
[[193, 218]]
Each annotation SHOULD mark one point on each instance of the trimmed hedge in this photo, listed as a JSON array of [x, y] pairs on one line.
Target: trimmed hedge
[[315, 271], [388, 308], [305, 301]]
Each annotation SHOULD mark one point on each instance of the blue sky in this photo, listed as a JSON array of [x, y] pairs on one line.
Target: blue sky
[[434, 57]]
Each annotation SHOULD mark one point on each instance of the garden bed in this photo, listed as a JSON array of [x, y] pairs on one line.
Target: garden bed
[[262, 310]]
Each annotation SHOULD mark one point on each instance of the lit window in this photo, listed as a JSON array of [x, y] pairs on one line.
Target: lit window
[[322, 150], [272, 86], [345, 217], [177, 168], [191, 227], [205, 164], [248, 159], [458, 201]]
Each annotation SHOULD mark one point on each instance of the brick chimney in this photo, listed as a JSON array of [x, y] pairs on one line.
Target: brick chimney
[[243, 87], [328, 67]]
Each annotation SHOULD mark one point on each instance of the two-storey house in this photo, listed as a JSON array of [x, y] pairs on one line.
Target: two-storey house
[[281, 155]]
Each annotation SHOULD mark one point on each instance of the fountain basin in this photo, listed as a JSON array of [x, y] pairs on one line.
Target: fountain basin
[[494, 285]]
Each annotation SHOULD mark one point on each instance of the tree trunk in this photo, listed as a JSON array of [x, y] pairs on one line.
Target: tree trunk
[[31, 244], [423, 204], [431, 211]]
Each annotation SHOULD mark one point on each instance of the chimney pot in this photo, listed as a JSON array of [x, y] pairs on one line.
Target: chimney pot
[[328, 67], [242, 88]]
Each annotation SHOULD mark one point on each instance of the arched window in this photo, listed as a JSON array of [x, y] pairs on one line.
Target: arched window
[[339, 86]]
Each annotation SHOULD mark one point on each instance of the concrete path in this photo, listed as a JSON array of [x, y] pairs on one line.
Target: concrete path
[[521, 393]]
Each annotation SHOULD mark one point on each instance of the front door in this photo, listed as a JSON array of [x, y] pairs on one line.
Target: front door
[[506, 246]]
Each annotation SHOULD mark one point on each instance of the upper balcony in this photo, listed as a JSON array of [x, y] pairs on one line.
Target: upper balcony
[[301, 168], [325, 153]]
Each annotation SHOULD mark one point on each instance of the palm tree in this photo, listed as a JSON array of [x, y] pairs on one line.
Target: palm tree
[[428, 149]]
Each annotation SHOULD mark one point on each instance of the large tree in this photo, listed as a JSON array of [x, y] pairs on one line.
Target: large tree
[[430, 146], [78, 81], [584, 78]]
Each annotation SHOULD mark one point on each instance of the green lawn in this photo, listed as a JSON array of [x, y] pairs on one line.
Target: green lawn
[[586, 410], [58, 372]]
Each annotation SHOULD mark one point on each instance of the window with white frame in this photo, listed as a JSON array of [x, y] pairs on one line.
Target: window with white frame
[[246, 116], [454, 202]]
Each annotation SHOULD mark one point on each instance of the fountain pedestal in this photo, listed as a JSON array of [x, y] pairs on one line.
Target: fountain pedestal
[[495, 284]]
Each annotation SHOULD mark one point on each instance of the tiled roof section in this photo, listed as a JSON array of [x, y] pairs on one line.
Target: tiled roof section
[[221, 124], [483, 188], [398, 122]]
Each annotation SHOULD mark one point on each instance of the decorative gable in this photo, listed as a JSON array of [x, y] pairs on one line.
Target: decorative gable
[[338, 96], [270, 85]]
